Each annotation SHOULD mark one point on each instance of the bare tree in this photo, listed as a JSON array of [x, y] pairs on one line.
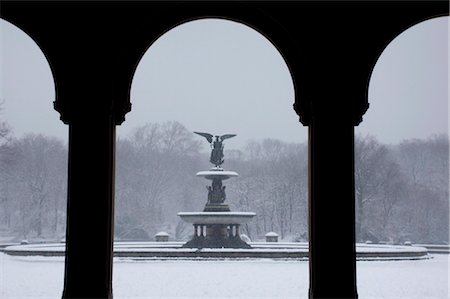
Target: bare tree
[[272, 183], [40, 171], [153, 165], [6, 161], [370, 160], [425, 163]]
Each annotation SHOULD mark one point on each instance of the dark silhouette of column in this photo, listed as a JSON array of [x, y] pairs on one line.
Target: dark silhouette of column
[[331, 210], [90, 209]]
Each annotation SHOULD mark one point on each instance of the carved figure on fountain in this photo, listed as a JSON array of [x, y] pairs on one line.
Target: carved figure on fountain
[[216, 143]]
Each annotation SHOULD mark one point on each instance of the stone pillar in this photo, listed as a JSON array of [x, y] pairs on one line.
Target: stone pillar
[[332, 257], [271, 237], [162, 237], [195, 230], [90, 208]]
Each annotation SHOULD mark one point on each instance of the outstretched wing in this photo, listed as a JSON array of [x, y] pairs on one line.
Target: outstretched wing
[[226, 136], [208, 136]]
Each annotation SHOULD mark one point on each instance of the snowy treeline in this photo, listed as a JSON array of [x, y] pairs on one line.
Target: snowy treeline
[[401, 190], [155, 179], [33, 180], [273, 184]]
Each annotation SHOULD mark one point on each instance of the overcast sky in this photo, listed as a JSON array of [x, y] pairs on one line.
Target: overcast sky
[[222, 77]]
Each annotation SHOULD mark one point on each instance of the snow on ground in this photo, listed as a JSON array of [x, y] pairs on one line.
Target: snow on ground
[[217, 279], [42, 277], [420, 279]]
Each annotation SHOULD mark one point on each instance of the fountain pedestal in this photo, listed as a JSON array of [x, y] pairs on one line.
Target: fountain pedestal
[[216, 229], [216, 226]]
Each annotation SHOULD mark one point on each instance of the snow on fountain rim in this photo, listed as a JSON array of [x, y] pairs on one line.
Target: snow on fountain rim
[[217, 173], [217, 217], [225, 214]]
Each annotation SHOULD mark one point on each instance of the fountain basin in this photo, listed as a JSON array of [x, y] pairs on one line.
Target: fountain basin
[[216, 217], [270, 250], [217, 174]]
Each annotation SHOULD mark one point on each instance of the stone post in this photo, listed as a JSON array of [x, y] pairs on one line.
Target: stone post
[[332, 254], [90, 208]]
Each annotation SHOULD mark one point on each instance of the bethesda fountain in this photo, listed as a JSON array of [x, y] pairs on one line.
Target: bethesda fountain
[[216, 226]]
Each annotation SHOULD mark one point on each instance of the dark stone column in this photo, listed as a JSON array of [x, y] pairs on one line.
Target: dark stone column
[[331, 209], [90, 208]]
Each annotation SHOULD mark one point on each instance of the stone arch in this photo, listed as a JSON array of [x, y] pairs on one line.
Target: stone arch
[[37, 43], [409, 89], [29, 126], [389, 39], [273, 38], [235, 27], [277, 34]]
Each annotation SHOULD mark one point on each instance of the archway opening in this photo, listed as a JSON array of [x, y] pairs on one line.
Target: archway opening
[[220, 77], [401, 159], [33, 164]]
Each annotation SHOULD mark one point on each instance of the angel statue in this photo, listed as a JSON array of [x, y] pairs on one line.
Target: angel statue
[[217, 146]]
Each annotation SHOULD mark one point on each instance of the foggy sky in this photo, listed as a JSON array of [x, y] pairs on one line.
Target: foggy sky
[[223, 77]]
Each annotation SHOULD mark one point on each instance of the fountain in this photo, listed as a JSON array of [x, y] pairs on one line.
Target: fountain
[[216, 226]]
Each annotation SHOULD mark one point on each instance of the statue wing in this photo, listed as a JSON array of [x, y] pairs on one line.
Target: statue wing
[[208, 136], [226, 136]]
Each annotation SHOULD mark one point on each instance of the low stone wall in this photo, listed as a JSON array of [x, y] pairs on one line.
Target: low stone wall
[[270, 250], [4, 245], [435, 248]]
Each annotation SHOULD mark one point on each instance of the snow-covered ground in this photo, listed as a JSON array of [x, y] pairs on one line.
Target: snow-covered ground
[[42, 277]]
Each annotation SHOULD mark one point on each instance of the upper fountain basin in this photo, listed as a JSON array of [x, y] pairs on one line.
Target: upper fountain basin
[[217, 174]]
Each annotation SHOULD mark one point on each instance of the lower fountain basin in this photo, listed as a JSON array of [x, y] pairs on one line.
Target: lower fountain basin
[[216, 217]]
